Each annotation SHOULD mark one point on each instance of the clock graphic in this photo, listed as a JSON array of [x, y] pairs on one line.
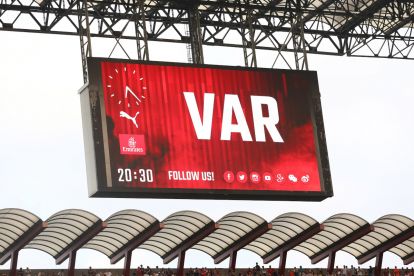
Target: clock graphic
[[128, 98]]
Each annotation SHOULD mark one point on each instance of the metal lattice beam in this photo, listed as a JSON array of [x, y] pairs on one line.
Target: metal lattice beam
[[363, 15], [288, 29]]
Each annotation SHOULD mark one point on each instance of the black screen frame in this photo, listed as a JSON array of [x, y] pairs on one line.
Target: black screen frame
[[98, 157]]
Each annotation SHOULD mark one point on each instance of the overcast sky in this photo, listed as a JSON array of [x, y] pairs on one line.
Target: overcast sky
[[368, 112]]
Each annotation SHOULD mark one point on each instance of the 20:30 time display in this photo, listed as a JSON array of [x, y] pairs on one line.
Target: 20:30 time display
[[142, 175]]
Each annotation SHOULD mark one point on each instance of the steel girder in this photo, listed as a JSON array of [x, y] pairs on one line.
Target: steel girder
[[369, 28]]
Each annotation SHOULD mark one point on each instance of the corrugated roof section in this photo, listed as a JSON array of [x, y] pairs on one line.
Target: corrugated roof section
[[122, 227], [335, 228], [177, 228], [385, 228], [232, 227], [62, 229], [14, 223], [284, 228]]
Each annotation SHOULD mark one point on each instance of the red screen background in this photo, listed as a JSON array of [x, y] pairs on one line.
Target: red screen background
[[170, 138]]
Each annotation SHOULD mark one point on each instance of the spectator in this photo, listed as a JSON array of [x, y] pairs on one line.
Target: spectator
[[345, 271], [295, 271], [91, 272], [300, 271], [270, 271], [370, 271], [140, 271], [156, 272], [147, 271], [256, 269], [338, 271], [396, 271], [353, 271]]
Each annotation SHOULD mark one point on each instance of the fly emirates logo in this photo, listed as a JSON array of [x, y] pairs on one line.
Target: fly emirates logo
[[203, 120]]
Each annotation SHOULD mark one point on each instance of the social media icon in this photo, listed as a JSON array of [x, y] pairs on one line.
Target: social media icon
[[228, 176], [293, 178], [279, 178], [305, 178], [254, 177], [267, 177], [241, 177]]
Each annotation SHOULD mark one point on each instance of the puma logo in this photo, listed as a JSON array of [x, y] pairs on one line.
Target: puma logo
[[123, 114]]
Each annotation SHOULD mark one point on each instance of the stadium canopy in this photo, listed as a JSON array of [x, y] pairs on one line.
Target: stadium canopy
[[338, 231], [70, 230], [287, 231], [124, 231], [235, 230], [17, 228], [405, 251], [66, 232], [180, 232], [389, 231]]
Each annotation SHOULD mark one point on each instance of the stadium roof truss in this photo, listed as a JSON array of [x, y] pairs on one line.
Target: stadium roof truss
[[289, 29], [70, 230]]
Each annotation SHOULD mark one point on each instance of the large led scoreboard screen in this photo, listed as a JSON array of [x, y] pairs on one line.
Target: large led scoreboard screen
[[167, 130]]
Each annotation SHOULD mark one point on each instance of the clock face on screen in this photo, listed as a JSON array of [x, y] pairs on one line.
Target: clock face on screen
[[130, 96]]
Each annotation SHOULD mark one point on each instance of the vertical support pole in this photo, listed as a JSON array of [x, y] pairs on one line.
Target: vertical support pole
[[282, 263], [251, 38], [331, 263], [305, 65], [72, 262], [378, 264], [298, 35], [13, 263], [248, 43], [180, 264], [84, 37], [233, 259], [196, 37], [127, 263], [141, 32]]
